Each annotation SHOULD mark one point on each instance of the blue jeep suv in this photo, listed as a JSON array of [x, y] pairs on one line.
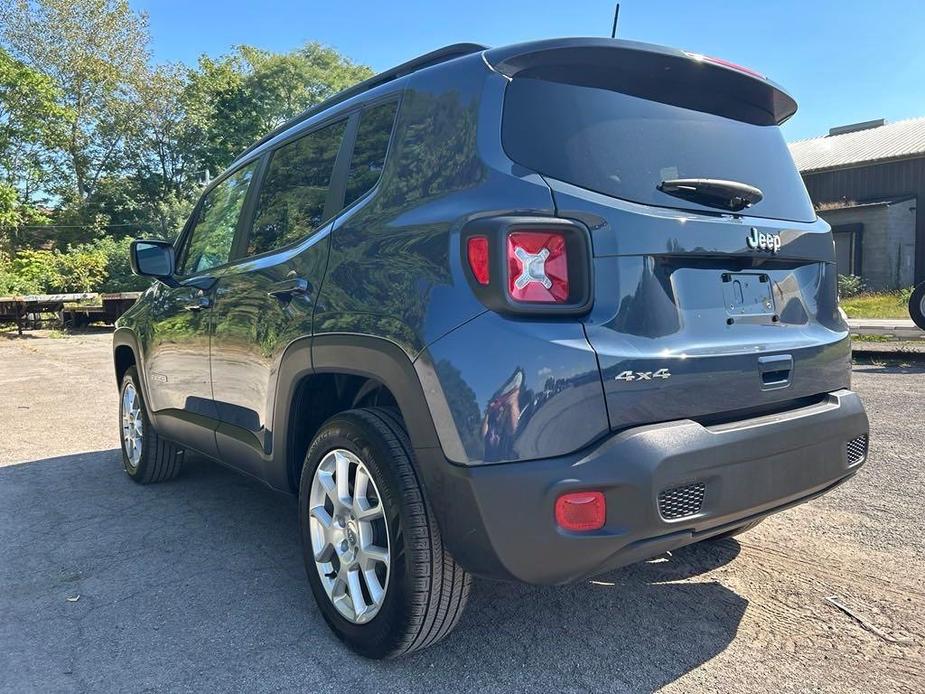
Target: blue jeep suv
[[526, 313]]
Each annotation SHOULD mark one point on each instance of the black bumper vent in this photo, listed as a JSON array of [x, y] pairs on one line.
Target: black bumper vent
[[857, 449], [681, 501]]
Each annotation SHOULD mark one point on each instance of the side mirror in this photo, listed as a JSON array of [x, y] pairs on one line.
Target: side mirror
[[150, 258]]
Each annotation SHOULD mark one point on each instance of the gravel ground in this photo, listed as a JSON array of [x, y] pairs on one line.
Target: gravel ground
[[197, 584]]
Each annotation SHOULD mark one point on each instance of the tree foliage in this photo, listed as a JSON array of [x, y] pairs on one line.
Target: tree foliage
[[98, 143], [30, 120], [234, 99], [95, 51]]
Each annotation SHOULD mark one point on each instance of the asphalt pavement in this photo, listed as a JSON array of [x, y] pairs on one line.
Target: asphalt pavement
[[198, 585]]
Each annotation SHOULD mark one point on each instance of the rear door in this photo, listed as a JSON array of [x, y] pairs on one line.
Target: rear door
[[265, 299], [699, 312]]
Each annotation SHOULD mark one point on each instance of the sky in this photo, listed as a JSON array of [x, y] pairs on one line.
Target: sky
[[844, 61]]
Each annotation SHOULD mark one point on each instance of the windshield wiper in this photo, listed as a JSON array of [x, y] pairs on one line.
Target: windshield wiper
[[726, 195]]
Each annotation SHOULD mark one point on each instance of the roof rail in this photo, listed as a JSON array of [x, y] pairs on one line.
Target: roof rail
[[440, 55]]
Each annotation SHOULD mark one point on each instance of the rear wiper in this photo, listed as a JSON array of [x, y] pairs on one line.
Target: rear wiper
[[726, 195]]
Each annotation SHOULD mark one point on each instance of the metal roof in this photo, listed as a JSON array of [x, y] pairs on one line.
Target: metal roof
[[905, 138]]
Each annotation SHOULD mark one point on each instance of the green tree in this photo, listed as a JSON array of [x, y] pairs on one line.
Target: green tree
[[94, 51], [160, 144], [119, 147], [29, 118], [235, 99]]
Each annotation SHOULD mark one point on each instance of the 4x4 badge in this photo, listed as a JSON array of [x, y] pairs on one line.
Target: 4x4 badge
[[643, 375], [763, 242]]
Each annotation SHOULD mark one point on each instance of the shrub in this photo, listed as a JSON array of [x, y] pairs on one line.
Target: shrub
[[850, 285], [83, 268], [30, 272], [101, 265], [119, 277]]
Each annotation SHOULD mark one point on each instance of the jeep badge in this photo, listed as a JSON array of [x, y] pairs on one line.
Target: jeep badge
[[763, 242]]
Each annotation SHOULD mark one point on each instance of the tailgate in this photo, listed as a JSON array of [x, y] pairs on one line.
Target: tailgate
[[714, 282], [690, 322]]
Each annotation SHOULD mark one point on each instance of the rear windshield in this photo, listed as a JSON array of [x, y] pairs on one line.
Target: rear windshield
[[624, 146]]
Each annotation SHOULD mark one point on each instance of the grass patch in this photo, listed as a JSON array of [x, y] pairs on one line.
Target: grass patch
[[877, 305], [872, 338]]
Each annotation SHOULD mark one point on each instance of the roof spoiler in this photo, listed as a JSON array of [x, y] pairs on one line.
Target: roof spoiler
[[651, 72]]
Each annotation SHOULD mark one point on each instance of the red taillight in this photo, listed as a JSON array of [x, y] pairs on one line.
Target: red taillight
[[537, 267], [581, 511], [477, 250]]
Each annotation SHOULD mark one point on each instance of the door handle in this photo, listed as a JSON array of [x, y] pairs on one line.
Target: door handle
[[200, 301], [776, 371], [288, 288]]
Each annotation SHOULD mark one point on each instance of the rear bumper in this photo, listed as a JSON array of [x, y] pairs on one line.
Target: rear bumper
[[498, 522]]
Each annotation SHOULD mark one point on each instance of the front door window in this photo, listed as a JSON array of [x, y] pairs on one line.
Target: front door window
[[210, 241]]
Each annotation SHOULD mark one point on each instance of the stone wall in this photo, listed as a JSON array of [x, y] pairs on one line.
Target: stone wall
[[887, 241]]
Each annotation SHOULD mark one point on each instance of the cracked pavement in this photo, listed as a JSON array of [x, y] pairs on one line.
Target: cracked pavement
[[198, 584]]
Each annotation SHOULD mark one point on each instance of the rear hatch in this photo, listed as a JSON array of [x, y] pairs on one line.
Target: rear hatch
[[710, 302]]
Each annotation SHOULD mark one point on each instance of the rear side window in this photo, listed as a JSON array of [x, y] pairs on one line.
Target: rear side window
[[370, 150], [292, 199], [211, 239], [624, 146]]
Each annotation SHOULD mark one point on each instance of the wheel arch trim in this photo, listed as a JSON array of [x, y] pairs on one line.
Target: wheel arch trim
[[385, 361], [357, 355], [125, 337]]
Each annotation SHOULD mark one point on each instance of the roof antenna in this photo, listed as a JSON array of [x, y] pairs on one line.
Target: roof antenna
[[616, 16]]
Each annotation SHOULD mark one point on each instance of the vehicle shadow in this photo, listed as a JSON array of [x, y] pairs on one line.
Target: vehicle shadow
[[198, 583]]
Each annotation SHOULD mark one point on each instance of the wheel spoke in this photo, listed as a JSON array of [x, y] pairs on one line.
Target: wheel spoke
[[376, 591], [356, 592], [326, 480], [339, 586], [320, 514], [376, 554], [342, 478], [369, 514], [362, 509], [325, 554], [360, 485], [322, 548]]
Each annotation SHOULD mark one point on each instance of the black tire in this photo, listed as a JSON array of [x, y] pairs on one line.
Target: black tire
[[160, 459], [916, 312], [427, 590], [736, 531]]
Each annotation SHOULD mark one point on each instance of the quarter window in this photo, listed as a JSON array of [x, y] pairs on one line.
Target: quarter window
[[370, 149], [211, 239], [292, 198]]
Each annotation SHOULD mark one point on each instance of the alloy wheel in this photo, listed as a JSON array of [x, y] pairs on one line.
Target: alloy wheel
[[132, 425], [350, 536]]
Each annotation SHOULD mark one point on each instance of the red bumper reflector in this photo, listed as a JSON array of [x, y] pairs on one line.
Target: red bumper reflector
[[477, 250], [580, 511]]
